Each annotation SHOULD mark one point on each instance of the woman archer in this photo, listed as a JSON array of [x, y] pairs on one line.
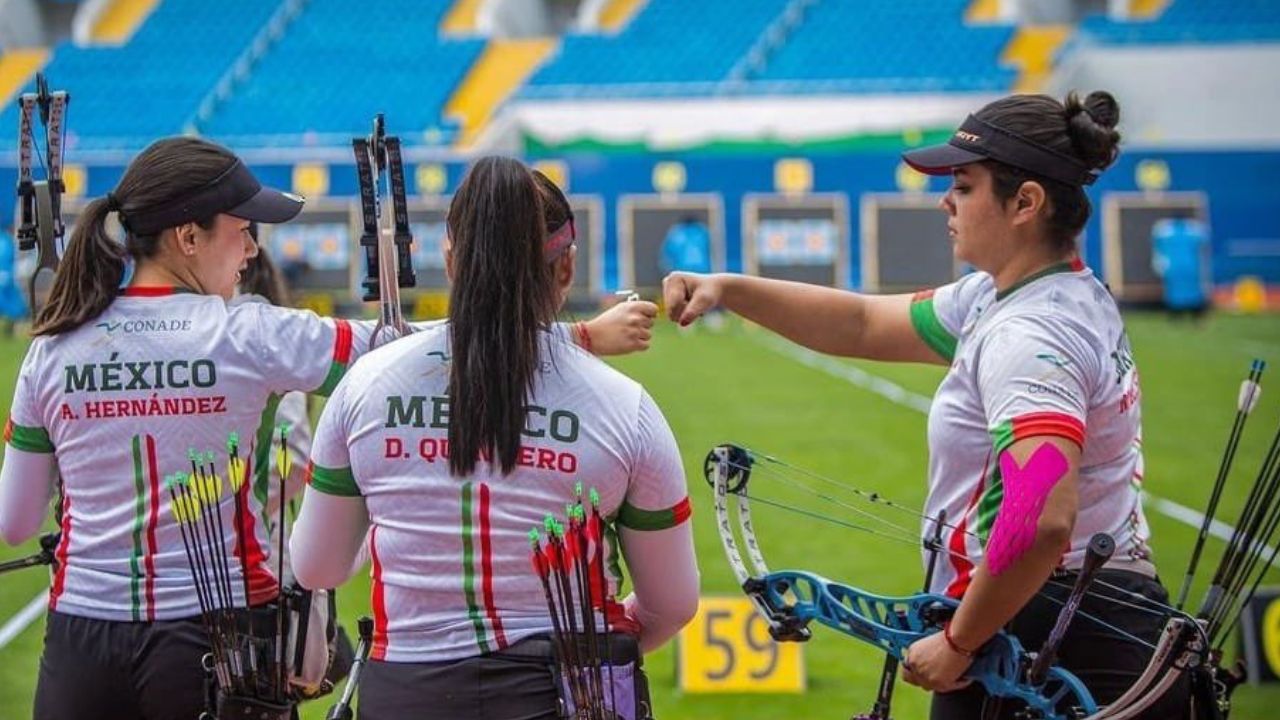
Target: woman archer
[[1034, 433]]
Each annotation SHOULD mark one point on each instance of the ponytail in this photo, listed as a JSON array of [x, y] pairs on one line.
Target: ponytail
[[1079, 129], [501, 299], [88, 276]]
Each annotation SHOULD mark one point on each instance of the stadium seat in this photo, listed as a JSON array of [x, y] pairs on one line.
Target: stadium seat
[[182, 49], [845, 46], [671, 46], [389, 56], [1191, 21], [680, 48]]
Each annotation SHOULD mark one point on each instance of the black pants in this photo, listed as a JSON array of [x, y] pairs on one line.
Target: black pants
[[488, 687], [109, 670], [516, 683], [1105, 662]]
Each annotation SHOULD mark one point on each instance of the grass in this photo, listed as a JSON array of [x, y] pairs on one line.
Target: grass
[[731, 387]]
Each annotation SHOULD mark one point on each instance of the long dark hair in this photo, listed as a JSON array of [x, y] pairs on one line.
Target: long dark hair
[[262, 277], [501, 299], [88, 278], [1083, 129], [555, 206]]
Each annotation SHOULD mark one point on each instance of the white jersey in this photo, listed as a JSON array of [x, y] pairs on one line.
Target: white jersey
[[1048, 356], [451, 568], [121, 399]]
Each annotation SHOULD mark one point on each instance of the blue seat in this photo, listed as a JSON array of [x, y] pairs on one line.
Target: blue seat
[[335, 68], [1191, 21], [123, 97]]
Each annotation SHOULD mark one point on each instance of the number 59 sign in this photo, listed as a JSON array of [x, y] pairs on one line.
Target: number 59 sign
[[727, 648]]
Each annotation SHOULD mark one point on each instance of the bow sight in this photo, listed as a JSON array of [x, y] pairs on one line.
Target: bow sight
[[385, 237], [40, 201]]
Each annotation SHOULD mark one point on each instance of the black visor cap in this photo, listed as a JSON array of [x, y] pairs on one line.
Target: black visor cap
[[235, 192], [977, 140]]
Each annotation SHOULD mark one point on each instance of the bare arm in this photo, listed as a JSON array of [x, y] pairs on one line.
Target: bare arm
[[993, 600], [27, 482], [831, 321], [664, 571], [326, 539]]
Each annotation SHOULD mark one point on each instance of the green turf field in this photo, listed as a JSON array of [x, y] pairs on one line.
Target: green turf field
[[733, 386]]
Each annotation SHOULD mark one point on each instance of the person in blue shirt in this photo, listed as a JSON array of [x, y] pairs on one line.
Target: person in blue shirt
[[687, 247], [12, 306], [1177, 256]]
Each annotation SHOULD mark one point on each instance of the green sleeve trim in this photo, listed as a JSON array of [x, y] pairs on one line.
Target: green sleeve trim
[[28, 439], [634, 518], [930, 329], [334, 481], [336, 371]]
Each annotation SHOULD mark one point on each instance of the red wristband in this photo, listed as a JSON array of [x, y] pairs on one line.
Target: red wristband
[[946, 635], [584, 336]]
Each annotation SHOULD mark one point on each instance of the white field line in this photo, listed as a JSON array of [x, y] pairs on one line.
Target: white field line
[[27, 615], [901, 396]]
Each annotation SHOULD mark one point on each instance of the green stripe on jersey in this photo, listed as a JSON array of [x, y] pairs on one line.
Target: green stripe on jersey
[[993, 495], [336, 371], [28, 439], [630, 516], [469, 570], [262, 453], [334, 481], [925, 320], [140, 511]]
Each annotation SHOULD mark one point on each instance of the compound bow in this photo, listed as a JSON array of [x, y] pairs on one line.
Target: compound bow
[[790, 600], [40, 224], [40, 228], [386, 238]]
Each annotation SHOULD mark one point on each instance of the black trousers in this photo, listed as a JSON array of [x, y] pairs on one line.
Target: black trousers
[[1105, 662], [516, 683], [492, 687], [109, 670]]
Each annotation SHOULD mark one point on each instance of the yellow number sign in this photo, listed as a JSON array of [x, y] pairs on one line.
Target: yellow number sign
[[1271, 635], [431, 306], [727, 648], [318, 303]]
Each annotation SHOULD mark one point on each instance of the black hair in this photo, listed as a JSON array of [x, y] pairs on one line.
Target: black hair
[[555, 206], [261, 276], [501, 299], [1083, 129], [88, 278]]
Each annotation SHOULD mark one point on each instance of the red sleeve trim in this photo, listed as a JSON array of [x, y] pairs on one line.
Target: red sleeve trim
[[342, 342], [1049, 423]]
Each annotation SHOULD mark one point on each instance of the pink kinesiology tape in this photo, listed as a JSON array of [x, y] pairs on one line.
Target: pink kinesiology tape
[[1026, 489]]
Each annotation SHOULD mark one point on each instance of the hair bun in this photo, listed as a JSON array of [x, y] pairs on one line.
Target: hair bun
[[1091, 124]]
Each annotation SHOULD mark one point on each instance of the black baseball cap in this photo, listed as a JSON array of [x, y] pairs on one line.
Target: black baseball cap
[[978, 140], [235, 192]]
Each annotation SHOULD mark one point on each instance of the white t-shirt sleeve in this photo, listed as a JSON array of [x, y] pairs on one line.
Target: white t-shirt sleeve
[[1033, 376], [329, 471], [29, 474], [657, 495], [334, 519], [298, 350], [656, 537], [938, 315]]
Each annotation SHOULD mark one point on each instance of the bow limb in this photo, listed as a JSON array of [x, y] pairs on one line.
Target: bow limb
[[1181, 647]]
